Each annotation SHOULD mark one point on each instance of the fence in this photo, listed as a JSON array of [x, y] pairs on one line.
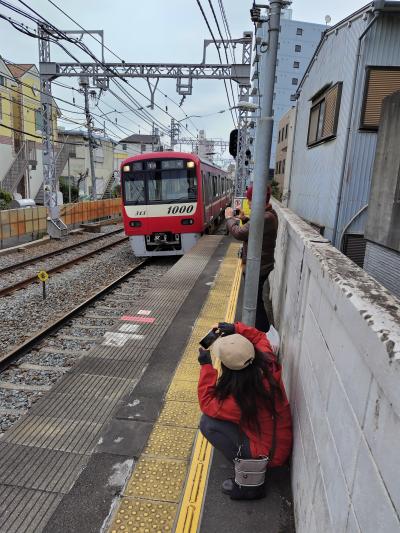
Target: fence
[[340, 350], [26, 224]]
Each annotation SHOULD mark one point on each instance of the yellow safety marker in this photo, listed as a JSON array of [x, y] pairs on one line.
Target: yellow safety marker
[[167, 471], [43, 276]]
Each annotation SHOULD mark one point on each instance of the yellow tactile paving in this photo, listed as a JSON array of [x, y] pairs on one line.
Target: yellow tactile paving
[[170, 471], [170, 441]]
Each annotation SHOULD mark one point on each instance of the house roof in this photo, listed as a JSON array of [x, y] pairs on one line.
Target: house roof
[[137, 138], [19, 70]]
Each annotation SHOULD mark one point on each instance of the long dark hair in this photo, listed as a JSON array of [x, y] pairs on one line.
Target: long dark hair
[[248, 389]]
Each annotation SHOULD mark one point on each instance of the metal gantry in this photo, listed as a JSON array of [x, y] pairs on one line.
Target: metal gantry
[[99, 74]]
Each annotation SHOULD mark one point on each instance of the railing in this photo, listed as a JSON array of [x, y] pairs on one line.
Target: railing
[[25, 156]]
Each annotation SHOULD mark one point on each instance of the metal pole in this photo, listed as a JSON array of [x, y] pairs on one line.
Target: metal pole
[[84, 83], [49, 172], [69, 183], [261, 168]]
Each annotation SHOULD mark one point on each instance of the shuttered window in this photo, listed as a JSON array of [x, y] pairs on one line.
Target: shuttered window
[[380, 82], [324, 115]]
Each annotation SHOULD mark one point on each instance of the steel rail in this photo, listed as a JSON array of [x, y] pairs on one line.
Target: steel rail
[[33, 279], [57, 252], [18, 351]]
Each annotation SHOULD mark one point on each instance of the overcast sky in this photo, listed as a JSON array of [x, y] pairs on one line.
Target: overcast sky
[[159, 31]]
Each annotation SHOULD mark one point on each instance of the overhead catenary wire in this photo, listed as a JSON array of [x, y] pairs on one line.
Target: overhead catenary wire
[[116, 56], [219, 53], [85, 49]]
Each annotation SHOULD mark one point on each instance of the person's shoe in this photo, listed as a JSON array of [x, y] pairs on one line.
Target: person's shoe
[[227, 486], [247, 493]]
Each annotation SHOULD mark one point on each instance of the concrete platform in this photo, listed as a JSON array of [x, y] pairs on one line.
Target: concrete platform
[[115, 445]]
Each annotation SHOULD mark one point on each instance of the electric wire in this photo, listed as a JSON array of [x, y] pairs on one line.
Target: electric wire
[[219, 53]]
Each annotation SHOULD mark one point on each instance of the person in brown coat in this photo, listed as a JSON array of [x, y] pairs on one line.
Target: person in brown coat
[[241, 233]]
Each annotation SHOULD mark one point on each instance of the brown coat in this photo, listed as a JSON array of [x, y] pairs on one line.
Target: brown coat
[[241, 233]]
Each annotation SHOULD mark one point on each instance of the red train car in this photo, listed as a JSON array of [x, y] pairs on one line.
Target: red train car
[[170, 199]]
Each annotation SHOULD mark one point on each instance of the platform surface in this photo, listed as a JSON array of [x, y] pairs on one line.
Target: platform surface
[[115, 445]]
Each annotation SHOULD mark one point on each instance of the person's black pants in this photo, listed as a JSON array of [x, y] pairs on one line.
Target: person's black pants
[[225, 437], [262, 322]]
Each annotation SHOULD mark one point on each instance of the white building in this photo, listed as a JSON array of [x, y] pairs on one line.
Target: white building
[[355, 66]]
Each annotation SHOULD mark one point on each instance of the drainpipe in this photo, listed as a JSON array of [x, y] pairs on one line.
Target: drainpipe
[[346, 150]]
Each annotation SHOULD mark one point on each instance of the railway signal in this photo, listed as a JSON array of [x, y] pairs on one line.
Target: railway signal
[[43, 277]]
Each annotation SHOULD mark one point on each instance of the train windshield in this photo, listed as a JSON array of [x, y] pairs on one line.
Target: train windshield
[[159, 181]]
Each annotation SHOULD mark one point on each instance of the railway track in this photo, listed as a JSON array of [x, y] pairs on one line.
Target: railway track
[[30, 369], [4, 291]]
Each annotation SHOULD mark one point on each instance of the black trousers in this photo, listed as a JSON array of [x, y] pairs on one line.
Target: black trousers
[[225, 437], [262, 322]]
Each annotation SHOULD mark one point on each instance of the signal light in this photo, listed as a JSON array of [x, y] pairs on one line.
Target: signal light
[[233, 142], [187, 221], [135, 224]]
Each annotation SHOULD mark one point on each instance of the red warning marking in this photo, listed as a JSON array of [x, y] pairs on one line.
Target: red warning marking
[[141, 319]]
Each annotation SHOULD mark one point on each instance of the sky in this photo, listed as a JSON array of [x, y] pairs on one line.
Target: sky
[[170, 31]]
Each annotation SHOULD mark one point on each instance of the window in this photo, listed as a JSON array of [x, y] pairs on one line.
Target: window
[[299, 31], [2, 81], [286, 130], [124, 147], [324, 114], [296, 64], [292, 97], [380, 82], [38, 120], [297, 48], [142, 147], [295, 81], [134, 191], [283, 166], [172, 186]]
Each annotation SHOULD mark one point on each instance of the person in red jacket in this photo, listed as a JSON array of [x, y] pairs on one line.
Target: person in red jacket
[[246, 406]]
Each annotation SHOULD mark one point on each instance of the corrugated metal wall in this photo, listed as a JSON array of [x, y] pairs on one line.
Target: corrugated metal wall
[[383, 265], [316, 171], [381, 47]]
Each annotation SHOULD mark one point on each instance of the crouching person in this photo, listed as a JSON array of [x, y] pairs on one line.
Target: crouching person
[[246, 414]]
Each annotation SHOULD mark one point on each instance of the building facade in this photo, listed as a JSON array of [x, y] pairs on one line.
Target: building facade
[[77, 165], [21, 168], [284, 151], [298, 41], [339, 104]]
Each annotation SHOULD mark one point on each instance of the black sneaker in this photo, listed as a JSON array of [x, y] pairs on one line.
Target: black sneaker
[[237, 492]]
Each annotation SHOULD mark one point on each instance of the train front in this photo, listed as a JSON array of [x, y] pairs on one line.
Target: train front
[[162, 210]]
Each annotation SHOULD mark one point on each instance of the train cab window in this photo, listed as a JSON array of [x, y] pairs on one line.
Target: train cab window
[[134, 188], [177, 185]]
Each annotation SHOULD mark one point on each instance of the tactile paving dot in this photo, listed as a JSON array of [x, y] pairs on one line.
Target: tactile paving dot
[[182, 391], [180, 414], [155, 479], [170, 441], [143, 516]]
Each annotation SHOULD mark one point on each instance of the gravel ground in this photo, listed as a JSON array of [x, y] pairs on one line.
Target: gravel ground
[[25, 312], [53, 245], [20, 274]]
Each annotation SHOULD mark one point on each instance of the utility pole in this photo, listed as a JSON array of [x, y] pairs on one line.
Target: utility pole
[[84, 83], [175, 130], [265, 124]]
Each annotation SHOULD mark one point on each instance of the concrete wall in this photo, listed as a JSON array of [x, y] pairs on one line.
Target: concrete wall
[[341, 356]]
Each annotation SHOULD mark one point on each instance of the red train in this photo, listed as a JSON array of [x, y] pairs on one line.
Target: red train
[[170, 199]]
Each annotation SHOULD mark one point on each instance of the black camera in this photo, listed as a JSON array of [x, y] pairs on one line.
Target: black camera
[[236, 212], [210, 338]]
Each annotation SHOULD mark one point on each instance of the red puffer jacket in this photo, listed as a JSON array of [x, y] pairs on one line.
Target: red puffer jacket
[[228, 409]]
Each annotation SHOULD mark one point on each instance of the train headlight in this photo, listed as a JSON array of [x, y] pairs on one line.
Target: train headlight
[[190, 164], [135, 224], [187, 221], [126, 168]]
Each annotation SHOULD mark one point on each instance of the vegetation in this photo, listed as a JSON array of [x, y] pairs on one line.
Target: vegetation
[[64, 188], [276, 192], [116, 192], [5, 199]]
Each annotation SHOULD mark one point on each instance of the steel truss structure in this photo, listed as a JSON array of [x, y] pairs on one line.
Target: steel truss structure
[[100, 74]]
